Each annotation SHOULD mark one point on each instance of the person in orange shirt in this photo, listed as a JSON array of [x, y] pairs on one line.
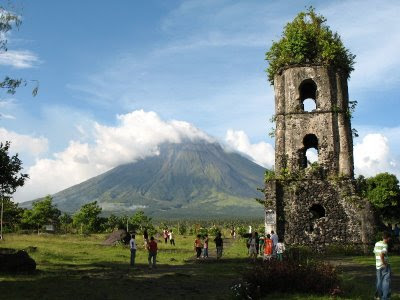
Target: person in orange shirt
[[268, 248], [198, 246]]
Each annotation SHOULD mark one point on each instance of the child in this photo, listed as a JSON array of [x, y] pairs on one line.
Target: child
[[268, 248], [198, 246], [205, 247], [280, 248]]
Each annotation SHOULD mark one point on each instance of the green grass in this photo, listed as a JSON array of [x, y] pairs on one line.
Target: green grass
[[80, 267]]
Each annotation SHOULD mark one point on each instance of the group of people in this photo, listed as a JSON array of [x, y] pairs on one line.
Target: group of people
[[149, 244], [168, 235], [268, 246], [201, 245]]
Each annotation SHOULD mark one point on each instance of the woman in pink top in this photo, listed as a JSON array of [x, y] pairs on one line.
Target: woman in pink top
[[205, 247]]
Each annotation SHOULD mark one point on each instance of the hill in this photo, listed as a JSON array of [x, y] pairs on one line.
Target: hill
[[185, 180]]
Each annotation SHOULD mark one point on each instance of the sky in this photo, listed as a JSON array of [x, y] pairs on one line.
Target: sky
[[118, 78]]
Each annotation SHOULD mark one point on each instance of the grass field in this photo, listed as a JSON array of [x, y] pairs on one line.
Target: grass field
[[79, 267]]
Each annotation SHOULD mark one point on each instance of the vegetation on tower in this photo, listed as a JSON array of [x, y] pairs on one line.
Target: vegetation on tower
[[307, 40]]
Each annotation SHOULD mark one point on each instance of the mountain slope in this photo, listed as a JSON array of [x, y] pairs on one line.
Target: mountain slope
[[184, 180]]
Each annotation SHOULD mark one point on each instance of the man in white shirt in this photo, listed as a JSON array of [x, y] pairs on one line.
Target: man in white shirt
[[132, 245], [275, 239], [383, 270]]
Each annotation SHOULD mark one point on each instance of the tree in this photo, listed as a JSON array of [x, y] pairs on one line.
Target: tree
[[88, 217], [383, 192], [113, 222], [10, 177], [65, 222], [140, 221], [8, 20], [12, 214], [43, 212], [308, 40]]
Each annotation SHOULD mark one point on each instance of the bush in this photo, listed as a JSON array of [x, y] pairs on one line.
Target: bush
[[299, 253], [214, 230], [308, 40], [241, 230], [202, 231], [182, 228], [288, 277], [342, 249]]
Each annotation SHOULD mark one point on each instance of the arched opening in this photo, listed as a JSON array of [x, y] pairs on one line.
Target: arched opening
[[317, 211], [310, 150], [308, 95]]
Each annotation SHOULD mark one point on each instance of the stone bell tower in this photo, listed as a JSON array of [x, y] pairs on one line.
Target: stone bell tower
[[314, 204]]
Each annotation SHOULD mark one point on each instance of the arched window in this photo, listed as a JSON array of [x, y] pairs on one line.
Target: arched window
[[308, 95], [310, 150]]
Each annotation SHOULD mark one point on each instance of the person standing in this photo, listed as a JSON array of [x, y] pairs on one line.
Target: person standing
[[253, 246], [280, 248], [219, 244], [261, 245], [383, 270], [275, 239], [233, 233], [171, 238], [152, 248], [165, 235], [132, 246], [205, 246], [257, 241], [198, 246], [145, 238], [268, 245]]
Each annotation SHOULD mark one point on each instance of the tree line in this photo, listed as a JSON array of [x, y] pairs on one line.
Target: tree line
[[87, 219]]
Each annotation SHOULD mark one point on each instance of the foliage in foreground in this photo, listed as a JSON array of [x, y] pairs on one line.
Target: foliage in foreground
[[288, 277], [308, 40]]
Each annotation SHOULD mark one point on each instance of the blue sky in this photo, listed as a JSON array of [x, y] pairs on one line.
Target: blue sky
[[105, 65]]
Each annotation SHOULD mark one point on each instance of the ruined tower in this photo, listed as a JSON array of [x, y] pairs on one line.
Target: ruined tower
[[314, 203]]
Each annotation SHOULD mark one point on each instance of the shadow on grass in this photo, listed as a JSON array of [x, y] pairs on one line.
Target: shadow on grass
[[209, 279], [195, 279]]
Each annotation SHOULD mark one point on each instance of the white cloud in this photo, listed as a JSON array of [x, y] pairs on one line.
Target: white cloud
[[261, 153], [137, 135], [5, 116], [20, 59], [373, 156], [20, 143]]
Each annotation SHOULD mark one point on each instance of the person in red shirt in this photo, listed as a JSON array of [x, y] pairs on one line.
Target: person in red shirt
[[152, 248]]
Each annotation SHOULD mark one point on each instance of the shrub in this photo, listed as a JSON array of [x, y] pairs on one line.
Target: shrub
[[288, 277], [299, 253], [241, 230], [182, 228], [308, 40], [347, 250], [214, 230], [202, 231]]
